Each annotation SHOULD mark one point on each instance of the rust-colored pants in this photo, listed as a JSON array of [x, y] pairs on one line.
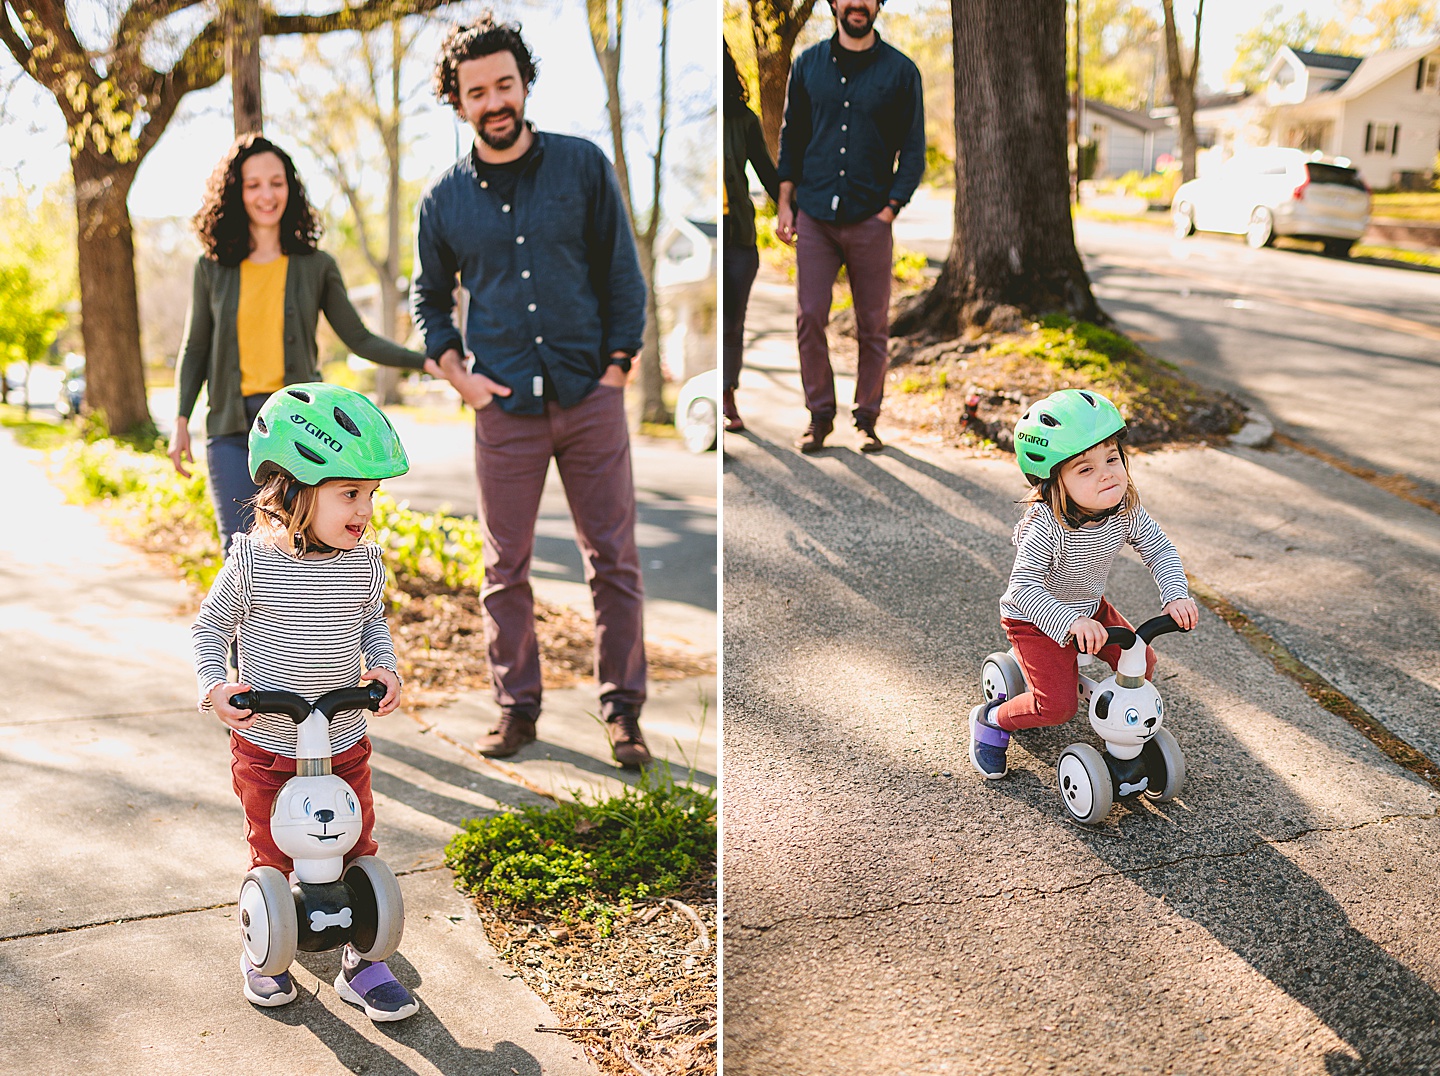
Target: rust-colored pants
[[590, 444], [1053, 672], [865, 249], [259, 775]]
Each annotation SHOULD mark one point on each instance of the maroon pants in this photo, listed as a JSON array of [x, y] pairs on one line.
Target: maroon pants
[[590, 444], [865, 250], [258, 775], [1053, 672]]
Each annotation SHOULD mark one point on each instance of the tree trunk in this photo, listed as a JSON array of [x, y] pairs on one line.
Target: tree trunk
[[774, 70], [652, 377], [1182, 85], [387, 378], [243, 23], [1013, 253], [110, 325]]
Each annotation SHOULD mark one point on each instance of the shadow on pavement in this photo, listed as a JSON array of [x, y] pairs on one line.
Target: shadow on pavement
[[1210, 861]]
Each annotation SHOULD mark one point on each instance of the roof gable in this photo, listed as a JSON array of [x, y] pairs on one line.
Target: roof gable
[[1382, 67]]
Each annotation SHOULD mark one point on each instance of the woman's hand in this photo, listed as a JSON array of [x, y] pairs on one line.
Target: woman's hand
[[1184, 612], [392, 688], [180, 446], [1089, 635], [220, 699], [475, 389]]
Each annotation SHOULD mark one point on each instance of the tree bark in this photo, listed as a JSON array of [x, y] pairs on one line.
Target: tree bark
[[1182, 85], [775, 25], [110, 323], [1012, 256], [243, 23]]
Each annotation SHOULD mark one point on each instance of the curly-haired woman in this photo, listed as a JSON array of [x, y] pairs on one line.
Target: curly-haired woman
[[259, 289]]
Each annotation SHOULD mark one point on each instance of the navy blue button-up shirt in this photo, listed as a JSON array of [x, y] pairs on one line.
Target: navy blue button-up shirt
[[554, 280], [852, 142]]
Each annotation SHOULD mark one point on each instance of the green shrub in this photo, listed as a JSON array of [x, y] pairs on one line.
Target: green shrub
[[588, 861]]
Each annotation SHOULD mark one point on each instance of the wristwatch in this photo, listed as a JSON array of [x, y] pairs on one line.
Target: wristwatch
[[622, 361], [895, 206]]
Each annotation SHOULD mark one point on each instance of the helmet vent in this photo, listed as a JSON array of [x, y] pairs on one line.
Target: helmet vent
[[1089, 399], [310, 454], [260, 425], [303, 397], [1035, 458], [1047, 419], [346, 423]]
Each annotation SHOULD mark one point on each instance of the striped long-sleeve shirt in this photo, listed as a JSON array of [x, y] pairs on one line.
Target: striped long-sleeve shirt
[[307, 626], [1060, 573]]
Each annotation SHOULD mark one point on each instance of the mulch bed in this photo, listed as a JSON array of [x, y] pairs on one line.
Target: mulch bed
[[440, 640], [641, 1002]]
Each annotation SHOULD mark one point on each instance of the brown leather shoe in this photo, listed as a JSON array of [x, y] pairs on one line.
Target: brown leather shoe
[[733, 422], [514, 730], [626, 742], [869, 440], [813, 439]]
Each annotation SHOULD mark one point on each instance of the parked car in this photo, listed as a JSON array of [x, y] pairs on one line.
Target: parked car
[[1265, 193], [697, 411], [72, 387]]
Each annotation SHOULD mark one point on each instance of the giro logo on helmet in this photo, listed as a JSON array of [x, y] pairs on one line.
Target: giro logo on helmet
[[301, 420], [1023, 436]]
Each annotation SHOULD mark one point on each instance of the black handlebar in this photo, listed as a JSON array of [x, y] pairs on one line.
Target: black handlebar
[[288, 704], [1124, 638], [1158, 625]]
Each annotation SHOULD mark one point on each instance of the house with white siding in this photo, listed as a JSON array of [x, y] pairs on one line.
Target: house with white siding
[[1125, 141], [1382, 111]]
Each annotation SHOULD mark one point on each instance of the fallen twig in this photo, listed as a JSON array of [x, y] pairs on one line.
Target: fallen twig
[[630, 1058], [574, 1030], [689, 913]]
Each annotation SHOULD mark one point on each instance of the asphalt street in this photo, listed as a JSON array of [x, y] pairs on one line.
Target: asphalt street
[[887, 911], [1341, 355]]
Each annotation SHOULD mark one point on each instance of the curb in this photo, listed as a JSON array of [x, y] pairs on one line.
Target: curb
[[1256, 433]]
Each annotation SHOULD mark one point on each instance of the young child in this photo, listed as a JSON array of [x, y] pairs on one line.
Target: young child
[[1083, 506], [304, 595]]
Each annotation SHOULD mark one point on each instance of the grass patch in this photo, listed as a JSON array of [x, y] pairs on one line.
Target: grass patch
[[589, 862], [1417, 205], [32, 432], [1397, 254]]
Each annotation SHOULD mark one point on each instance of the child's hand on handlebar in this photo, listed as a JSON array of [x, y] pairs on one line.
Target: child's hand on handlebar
[[1090, 635], [1184, 612], [392, 688], [220, 700]]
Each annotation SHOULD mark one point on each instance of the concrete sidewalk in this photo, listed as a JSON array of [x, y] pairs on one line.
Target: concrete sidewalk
[[887, 911], [123, 847]]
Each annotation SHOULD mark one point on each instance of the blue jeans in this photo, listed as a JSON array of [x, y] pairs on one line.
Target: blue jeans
[[741, 266], [228, 458]]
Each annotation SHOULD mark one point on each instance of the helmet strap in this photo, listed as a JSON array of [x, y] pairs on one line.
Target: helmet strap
[[1079, 519]]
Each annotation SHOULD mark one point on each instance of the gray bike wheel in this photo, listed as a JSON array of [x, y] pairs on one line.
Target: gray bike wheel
[[1165, 749], [1000, 677], [380, 909], [267, 920], [1085, 787]]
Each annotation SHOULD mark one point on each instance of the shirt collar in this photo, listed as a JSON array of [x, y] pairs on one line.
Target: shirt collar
[[837, 51], [469, 160]]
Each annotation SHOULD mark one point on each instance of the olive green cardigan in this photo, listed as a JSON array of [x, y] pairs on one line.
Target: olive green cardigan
[[211, 351]]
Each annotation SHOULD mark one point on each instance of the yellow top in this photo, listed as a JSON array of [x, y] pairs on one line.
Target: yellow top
[[261, 326]]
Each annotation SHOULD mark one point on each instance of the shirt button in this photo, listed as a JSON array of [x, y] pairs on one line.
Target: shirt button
[[842, 82], [484, 184], [844, 127], [504, 209], [525, 274], [847, 104], [519, 239], [532, 307], [842, 171], [539, 339], [842, 149]]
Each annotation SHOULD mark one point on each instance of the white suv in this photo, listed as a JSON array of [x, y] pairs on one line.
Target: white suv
[[1264, 193]]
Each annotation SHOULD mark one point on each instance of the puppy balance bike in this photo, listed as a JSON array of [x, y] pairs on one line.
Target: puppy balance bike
[[315, 820], [1141, 756]]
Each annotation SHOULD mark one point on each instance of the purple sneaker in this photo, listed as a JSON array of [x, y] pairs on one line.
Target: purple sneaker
[[370, 984], [987, 743], [267, 990]]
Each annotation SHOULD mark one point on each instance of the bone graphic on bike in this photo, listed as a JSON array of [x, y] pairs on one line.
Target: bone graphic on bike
[[320, 920]]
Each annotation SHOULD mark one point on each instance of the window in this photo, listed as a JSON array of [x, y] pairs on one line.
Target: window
[[1428, 80], [1382, 138]]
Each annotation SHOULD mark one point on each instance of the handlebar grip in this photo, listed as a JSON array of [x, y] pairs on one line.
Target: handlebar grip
[[1158, 625], [1119, 636], [366, 697], [286, 703]]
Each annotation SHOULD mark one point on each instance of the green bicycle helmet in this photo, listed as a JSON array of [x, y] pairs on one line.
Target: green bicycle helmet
[[1062, 425], [314, 432]]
